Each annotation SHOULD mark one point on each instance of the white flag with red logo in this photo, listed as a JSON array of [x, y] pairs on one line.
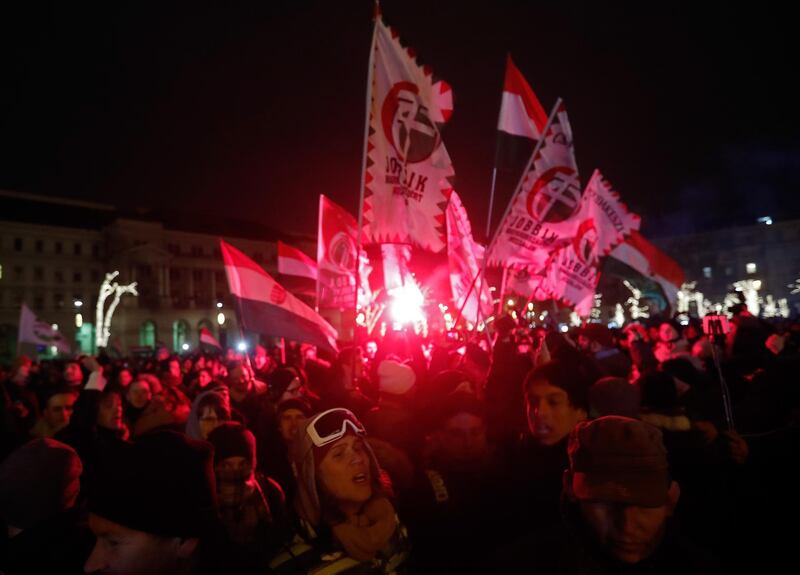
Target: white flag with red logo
[[605, 222], [464, 257], [544, 212], [408, 167], [265, 307], [337, 259]]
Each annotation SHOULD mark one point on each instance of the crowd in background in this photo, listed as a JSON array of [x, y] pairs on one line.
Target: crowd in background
[[591, 451]]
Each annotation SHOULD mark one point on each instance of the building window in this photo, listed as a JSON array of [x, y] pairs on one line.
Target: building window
[[197, 251], [58, 275], [19, 273], [38, 302], [219, 278], [174, 249], [95, 276], [77, 277], [58, 300], [38, 274], [728, 271], [59, 247], [707, 272], [95, 251], [77, 249], [1, 271], [198, 275], [751, 268], [39, 246], [147, 334], [17, 244]]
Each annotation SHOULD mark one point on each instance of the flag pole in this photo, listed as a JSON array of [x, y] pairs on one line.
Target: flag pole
[[536, 149], [370, 71], [489, 247], [319, 253]]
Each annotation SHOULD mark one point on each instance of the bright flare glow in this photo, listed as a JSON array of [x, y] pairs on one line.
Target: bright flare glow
[[794, 286], [765, 220], [55, 327], [221, 318], [361, 319], [574, 319], [407, 301], [219, 305], [185, 347], [78, 320], [241, 346], [78, 303], [530, 305], [564, 328], [510, 303]]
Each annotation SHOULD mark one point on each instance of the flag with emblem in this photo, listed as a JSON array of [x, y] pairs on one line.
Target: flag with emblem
[[337, 246], [406, 184], [543, 213], [265, 307], [465, 256], [573, 271]]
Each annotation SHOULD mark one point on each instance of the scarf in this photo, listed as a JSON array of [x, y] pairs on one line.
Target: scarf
[[243, 508], [366, 534]]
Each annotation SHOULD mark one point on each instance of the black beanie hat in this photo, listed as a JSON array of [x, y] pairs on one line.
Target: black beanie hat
[[232, 439], [163, 484]]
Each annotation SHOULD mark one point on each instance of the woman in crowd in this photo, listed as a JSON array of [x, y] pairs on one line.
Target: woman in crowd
[[342, 500]]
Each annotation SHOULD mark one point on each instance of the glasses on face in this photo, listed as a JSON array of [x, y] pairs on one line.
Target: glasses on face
[[331, 425]]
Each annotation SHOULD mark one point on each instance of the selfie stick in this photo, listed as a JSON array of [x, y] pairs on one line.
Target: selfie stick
[[716, 333]]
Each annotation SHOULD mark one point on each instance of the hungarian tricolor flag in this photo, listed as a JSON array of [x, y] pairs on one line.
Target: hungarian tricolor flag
[[265, 307], [543, 215], [651, 262], [208, 339], [33, 330], [521, 122], [407, 165], [293, 262], [298, 271]]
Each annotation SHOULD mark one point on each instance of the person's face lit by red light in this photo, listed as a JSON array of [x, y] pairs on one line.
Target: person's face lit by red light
[[59, 409], [345, 473], [109, 415], [551, 416]]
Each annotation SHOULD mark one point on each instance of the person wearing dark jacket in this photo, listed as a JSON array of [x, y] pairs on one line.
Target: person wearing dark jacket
[[39, 486]]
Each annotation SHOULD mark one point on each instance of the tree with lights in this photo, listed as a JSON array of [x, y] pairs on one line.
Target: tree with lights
[[103, 315]]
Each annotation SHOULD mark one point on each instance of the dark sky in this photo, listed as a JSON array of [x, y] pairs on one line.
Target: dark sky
[[252, 109]]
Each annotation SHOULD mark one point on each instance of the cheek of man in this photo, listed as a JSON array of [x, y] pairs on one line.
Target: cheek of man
[[123, 551]]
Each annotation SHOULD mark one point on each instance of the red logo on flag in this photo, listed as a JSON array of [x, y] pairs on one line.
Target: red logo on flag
[[555, 196], [407, 123], [585, 242], [277, 295]]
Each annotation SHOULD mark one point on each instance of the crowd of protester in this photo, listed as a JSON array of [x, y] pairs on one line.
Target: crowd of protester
[[592, 451]]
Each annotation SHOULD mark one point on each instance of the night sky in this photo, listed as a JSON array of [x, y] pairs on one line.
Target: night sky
[[251, 109]]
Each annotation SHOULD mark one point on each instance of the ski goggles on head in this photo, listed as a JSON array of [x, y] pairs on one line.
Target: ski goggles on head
[[331, 425]]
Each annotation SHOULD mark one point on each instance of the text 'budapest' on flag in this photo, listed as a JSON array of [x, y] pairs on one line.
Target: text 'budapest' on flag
[[338, 259], [407, 165], [543, 214], [573, 271], [265, 307]]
